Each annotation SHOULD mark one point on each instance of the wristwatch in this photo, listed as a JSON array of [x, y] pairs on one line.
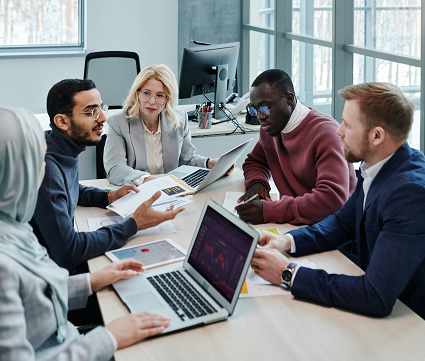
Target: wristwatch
[[287, 274]]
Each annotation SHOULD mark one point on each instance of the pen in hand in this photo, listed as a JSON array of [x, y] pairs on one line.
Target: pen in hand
[[251, 198]]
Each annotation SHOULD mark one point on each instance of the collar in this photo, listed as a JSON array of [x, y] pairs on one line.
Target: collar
[[297, 116], [148, 131], [65, 143], [372, 171]]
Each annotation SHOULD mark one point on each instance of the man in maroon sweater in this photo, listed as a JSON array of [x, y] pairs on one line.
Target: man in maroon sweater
[[300, 149]]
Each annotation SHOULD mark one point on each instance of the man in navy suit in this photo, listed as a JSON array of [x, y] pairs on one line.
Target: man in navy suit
[[384, 215]]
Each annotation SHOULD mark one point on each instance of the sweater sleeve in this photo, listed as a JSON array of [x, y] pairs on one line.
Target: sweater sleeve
[[255, 167], [115, 156], [331, 187], [67, 247]]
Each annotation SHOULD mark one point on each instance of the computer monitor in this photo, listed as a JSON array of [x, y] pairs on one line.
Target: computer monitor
[[207, 69]]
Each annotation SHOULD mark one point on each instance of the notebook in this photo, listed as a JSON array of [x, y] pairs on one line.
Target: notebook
[[200, 178], [206, 287]]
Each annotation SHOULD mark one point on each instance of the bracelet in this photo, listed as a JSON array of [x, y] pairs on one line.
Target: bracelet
[[206, 163]]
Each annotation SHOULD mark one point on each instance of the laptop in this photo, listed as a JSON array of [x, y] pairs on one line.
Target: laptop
[[206, 287], [199, 178]]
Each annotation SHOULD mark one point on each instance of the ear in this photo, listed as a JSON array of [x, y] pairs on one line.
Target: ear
[[62, 121], [290, 98], [378, 135]]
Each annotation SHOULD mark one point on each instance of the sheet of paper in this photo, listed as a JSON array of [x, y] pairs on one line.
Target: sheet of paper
[[231, 201], [272, 230], [170, 187], [99, 222], [255, 286], [176, 202]]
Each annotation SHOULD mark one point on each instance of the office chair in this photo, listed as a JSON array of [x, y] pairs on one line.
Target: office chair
[[113, 72]]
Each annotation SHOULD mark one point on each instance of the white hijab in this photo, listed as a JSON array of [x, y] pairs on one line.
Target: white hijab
[[21, 161]]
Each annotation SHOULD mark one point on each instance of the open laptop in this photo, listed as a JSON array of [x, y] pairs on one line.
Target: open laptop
[[199, 178], [206, 287]]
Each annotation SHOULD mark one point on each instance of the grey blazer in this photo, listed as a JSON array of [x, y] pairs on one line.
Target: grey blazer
[[124, 157], [28, 322]]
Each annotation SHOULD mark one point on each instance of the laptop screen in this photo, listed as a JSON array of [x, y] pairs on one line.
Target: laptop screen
[[219, 252]]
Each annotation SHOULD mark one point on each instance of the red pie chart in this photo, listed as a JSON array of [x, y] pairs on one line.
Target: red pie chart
[[144, 250]]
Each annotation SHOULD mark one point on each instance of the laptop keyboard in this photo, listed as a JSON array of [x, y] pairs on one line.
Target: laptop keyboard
[[194, 179], [182, 297]]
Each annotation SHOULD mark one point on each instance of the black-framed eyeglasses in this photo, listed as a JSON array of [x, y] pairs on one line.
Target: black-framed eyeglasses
[[264, 110], [95, 112]]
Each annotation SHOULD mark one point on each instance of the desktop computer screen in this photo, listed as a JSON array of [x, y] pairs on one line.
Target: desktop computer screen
[[207, 69]]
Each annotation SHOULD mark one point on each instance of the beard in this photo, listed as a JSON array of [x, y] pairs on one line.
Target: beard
[[353, 157], [80, 135]]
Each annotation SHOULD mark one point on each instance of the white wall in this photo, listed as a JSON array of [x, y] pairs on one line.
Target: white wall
[[149, 28]]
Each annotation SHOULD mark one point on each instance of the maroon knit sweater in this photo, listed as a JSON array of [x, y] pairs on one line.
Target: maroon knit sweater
[[308, 166]]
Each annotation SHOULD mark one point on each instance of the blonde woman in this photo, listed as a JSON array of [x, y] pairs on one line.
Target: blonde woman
[[150, 136]]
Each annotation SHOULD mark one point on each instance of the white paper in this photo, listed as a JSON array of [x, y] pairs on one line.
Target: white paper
[[231, 201], [258, 287], [170, 187], [176, 202], [99, 222]]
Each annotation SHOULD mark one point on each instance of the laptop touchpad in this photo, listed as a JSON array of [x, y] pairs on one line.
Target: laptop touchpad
[[144, 302]]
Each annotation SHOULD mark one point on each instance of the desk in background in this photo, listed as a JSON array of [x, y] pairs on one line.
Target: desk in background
[[208, 142], [268, 328]]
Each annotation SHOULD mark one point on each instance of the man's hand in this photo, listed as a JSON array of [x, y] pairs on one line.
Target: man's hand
[[133, 328], [251, 212], [213, 162], [269, 264], [281, 242], [114, 272], [120, 192], [256, 188], [146, 217]]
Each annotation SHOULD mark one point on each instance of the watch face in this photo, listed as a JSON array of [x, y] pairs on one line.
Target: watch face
[[287, 276]]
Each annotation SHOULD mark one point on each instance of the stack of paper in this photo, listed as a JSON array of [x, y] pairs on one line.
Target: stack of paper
[[170, 187]]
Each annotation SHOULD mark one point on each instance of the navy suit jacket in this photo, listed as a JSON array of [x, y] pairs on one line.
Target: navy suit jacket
[[390, 235]]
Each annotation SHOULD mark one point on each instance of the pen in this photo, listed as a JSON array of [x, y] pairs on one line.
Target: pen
[[252, 198]]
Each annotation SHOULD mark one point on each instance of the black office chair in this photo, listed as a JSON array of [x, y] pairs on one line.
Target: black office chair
[[113, 72]]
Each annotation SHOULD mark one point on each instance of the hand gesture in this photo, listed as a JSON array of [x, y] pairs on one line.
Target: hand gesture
[[270, 240], [251, 212], [133, 328], [269, 264], [114, 272], [120, 192], [146, 217]]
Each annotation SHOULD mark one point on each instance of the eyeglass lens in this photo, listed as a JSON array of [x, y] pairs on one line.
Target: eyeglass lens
[[147, 95], [264, 110]]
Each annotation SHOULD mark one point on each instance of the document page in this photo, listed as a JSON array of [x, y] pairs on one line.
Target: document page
[[231, 201], [170, 186]]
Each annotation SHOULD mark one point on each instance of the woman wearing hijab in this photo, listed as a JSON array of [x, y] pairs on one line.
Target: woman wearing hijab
[[35, 293]]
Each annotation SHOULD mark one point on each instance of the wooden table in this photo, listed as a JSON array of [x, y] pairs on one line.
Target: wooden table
[[269, 328]]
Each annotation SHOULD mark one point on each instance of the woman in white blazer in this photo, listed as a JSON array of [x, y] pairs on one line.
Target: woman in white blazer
[[35, 293], [150, 136]]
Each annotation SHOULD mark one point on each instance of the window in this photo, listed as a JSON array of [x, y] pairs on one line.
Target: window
[[37, 25], [325, 45]]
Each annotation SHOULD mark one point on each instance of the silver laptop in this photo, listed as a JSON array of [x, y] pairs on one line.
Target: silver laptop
[[200, 178], [206, 288]]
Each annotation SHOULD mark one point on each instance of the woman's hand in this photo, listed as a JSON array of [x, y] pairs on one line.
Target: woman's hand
[[116, 271], [133, 328]]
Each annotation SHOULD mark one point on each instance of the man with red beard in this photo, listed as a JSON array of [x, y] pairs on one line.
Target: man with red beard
[[77, 115], [300, 150], [384, 215]]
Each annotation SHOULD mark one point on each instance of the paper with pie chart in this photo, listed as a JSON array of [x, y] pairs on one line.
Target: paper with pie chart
[[151, 254]]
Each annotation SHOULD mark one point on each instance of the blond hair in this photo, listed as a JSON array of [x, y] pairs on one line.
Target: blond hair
[[159, 72], [383, 105]]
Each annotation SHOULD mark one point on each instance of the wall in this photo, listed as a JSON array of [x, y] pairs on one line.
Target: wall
[[217, 21], [148, 28]]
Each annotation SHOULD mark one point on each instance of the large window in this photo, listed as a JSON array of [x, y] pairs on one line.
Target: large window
[[36, 25], [325, 45]]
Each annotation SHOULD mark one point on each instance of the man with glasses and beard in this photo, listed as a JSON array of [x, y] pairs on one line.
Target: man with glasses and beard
[[77, 115], [300, 150]]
